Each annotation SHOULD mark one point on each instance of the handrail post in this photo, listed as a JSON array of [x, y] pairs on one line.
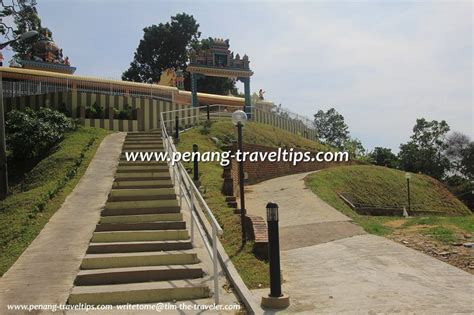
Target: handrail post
[[176, 135], [173, 167], [179, 183], [192, 218], [214, 261]]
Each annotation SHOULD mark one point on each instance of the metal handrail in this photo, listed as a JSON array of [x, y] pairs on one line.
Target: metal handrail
[[190, 192]]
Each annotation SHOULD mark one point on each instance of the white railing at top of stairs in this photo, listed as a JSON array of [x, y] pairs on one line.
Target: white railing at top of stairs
[[193, 198]]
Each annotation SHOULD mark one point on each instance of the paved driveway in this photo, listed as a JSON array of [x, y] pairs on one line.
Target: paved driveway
[[331, 266]]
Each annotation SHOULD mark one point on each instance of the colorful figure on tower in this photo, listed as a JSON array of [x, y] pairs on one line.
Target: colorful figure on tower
[[46, 55]]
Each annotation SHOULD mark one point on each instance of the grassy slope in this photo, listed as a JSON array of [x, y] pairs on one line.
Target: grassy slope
[[254, 272], [46, 186], [256, 133], [384, 186]]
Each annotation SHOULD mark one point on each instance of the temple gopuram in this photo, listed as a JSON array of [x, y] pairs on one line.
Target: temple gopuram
[[220, 57], [219, 61], [45, 55]]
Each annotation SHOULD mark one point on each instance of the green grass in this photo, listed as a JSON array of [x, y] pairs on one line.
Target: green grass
[[257, 133], [387, 187], [24, 213], [381, 186], [442, 234], [253, 271]]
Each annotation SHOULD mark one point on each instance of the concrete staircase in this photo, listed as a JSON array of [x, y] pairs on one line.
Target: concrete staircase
[[140, 251]]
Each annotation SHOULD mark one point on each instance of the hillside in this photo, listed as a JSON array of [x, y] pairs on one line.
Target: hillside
[[385, 187], [36, 198], [257, 133], [254, 272]]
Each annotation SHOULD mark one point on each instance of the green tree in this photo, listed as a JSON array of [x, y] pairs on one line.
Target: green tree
[[424, 152], [20, 12], [163, 46], [384, 157], [354, 147], [331, 128], [25, 18], [166, 45], [460, 152]]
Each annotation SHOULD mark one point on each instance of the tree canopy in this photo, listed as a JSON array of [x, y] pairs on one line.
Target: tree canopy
[[460, 152], [424, 152], [331, 128], [25, 18], [163, 46], [166, 45], [384, 157]]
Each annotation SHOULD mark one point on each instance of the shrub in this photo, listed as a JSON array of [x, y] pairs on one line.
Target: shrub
[[95, 111], [31, 134], [125, 114]]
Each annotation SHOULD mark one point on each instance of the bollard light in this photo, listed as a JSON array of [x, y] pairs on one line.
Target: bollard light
[[276, 299], [272, 212], [239, 116], [408, 177]]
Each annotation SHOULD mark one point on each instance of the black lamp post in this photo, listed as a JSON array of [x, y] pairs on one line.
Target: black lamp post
[[408, 177], [274, 249], [276, 299], [239, 118], [3, 148], [195, 164]]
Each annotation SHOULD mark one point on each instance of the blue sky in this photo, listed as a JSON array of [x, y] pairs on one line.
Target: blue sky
[[381, 64]]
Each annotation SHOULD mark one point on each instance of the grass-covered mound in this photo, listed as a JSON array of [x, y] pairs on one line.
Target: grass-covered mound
[[253, 271], [385, 187], [42, 191]]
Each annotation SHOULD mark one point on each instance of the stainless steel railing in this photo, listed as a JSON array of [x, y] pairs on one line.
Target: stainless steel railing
[[191, 194]]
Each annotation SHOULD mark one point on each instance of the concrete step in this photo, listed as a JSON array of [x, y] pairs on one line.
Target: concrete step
[[141, 146], [142, 204], [124, 260], [143, 169], [141, 164], [138, 274], [172, 225], [142, 218], [120, 177], [136, 184], [133, 211], [152, 160], [158, 150], [145, 142], [140, 293], [147, 134], [137, 236], [230, 198], [128, 247], [143, 138], [232, 204], [142, 194]]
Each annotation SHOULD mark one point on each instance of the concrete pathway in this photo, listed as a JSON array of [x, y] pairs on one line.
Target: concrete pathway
[[45, 272], [343, 270], [305, 219]]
